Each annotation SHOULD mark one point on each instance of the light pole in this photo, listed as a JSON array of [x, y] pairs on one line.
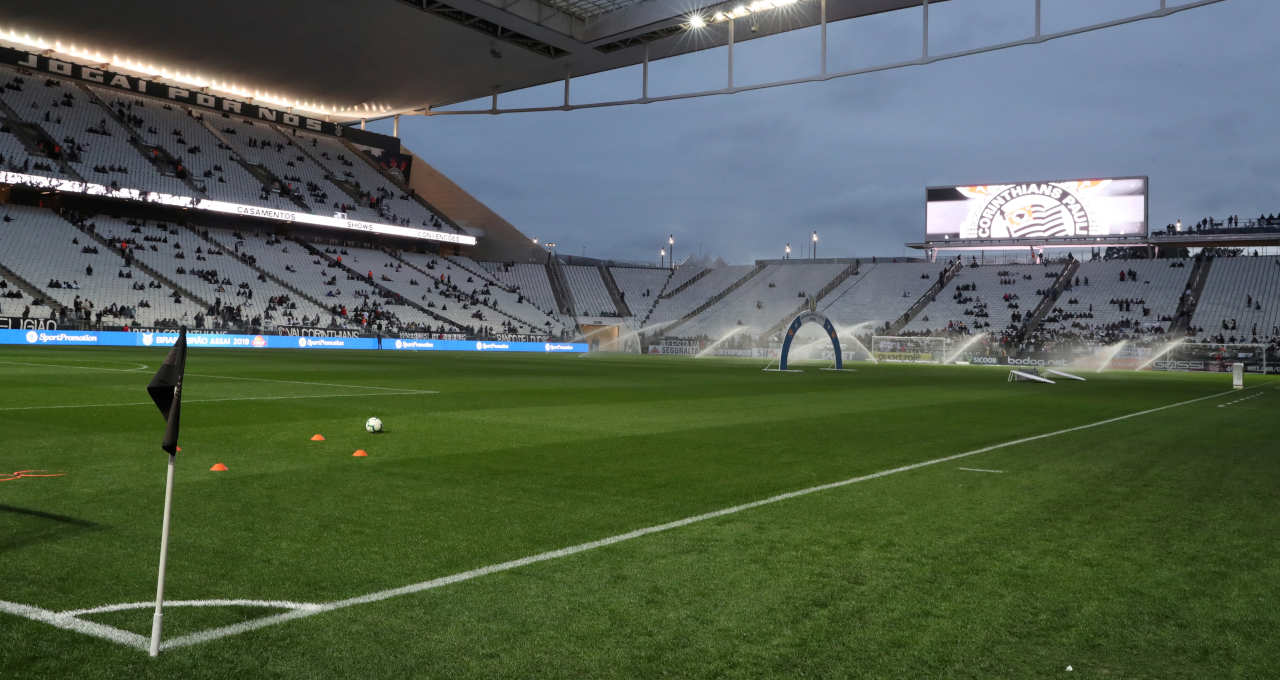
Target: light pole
[[662, 254], [671, 244], [787, 256], [815, 245]]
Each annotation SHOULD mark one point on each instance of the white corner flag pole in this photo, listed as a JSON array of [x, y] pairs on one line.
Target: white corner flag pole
[[164, 553]]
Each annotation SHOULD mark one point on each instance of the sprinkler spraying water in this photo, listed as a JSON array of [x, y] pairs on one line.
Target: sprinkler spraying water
[[721, 341], [960, 352], [1168, 347], [850, 334], [1110, 353]]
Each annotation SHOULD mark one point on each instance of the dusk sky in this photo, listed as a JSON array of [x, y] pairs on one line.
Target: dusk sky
[[1190, 100]]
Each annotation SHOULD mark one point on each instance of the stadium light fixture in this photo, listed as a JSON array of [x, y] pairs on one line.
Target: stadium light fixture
[[696, 21], [125, 63], [740, 10]]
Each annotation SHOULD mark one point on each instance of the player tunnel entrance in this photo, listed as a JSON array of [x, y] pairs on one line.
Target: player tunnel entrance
[[801, 320]]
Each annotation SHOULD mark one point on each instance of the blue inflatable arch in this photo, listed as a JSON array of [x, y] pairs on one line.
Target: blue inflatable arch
[[795, 326]]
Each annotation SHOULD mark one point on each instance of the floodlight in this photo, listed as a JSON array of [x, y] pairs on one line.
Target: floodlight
[[696, 21]]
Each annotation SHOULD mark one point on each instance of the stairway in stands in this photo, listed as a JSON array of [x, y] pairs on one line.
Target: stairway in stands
[[230, 250], [831, 285], [715, 298], [925, 298], [37, 296], [1196, 281], [135, 262], [615, 294], [386, 293], [1049, 299]]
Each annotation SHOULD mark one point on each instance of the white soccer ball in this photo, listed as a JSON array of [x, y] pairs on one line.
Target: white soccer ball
[[373, 425]]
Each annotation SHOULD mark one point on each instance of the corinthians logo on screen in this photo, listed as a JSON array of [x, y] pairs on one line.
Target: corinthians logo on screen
[[1031, 210]]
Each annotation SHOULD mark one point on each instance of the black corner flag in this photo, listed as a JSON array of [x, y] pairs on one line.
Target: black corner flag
[[166, 390]]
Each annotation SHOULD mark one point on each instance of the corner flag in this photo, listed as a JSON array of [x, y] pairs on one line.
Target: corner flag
[[166, 391]]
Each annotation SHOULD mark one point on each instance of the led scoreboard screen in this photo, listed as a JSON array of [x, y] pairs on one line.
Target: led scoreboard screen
[[1115, 206]]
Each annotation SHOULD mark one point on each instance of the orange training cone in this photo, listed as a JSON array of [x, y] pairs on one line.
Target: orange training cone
[[360, 453], [218, 467], [317, 437]]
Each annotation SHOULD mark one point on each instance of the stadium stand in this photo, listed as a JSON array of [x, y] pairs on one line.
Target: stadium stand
[[1120, 298], [763, 300], [506, 301], [640, 287], [94, 282], [708, 285], [529, 280], [231, 293], [211, 164], [95, 145], [376, 192], [880, 292], [591, 298], [985, 298], [1241, 300], [296, 174]]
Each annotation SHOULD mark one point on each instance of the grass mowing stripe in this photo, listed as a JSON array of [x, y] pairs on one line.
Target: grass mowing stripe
[[206, 401], [246, 626]]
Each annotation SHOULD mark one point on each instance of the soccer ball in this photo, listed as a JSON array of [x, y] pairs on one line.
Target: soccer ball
[[373, 425]]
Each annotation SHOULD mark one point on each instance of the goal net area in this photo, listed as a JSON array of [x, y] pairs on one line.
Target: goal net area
[[918, 350], [1213, 357]]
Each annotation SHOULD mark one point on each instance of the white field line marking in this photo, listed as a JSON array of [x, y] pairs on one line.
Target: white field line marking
[[67, 622], [207, 401], [998, 472], [276, 604], [1237, 401], [245, 626], [135, 369], [142, 367], [295, 382]]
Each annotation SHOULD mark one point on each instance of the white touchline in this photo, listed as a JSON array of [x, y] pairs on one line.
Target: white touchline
[[140, 367], [137, 641], [294, 382], [135, 369], [207, 401], [999, 472], [67, 622], [123, 606], [1237, 401]]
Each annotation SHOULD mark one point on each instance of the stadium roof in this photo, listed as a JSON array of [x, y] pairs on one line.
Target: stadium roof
[[348, 61]]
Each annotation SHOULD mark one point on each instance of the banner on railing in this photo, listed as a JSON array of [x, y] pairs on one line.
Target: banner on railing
[[53, 337], [17, 322]]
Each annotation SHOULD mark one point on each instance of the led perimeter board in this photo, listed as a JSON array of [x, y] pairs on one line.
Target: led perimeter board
[[1076, 208]]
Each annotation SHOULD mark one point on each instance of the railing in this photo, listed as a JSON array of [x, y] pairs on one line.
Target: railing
[[716, 298], [925, 298], [1050, 297]]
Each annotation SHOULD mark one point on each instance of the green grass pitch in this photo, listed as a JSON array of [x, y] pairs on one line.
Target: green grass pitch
[[1145, 547]]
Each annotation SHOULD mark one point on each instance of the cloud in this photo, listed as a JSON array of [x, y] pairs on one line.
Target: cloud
[[1182, 99]]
